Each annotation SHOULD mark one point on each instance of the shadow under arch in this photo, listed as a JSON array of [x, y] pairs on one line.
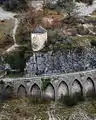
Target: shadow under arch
[[49, 92], [62, 89], [8, 92], [35, 91], [77, 87], [21, 92], [89, 87]]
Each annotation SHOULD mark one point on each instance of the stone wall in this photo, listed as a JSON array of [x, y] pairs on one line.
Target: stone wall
[[61, 61], [59, 84]]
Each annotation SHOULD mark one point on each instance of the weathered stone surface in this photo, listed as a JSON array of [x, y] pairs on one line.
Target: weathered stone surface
[[23, 86], [62, 61]]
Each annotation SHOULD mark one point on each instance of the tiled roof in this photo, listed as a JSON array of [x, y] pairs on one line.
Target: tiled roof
[[39, 29]]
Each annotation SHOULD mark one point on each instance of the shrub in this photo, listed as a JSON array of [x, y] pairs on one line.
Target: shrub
[[34, 100], [91, 94], [71, 100], [16, 60], [17, 110], [93, 43], [1, 104], [79, 96], [68, 100], [11, 4], [37, 100], [45, 83], [14, 5]]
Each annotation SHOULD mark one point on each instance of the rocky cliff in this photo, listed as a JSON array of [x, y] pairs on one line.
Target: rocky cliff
[[62, 61]]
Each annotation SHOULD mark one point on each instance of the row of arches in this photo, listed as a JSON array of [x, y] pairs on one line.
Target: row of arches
[[50, 91]]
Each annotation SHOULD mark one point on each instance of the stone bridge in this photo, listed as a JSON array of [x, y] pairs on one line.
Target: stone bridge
[[59, 84]]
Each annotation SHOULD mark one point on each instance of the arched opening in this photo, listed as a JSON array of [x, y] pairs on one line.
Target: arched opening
[[89, 87], [77, 92], [8, 92], [62, 90], [77, 87], [21, 91], [35, 91], [49, 92]]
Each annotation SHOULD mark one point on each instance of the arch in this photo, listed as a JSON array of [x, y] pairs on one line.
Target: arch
[[77, 87], [8, 92], [49, 92], [21, 92], [62, 89], [35, 91], [89, 85]]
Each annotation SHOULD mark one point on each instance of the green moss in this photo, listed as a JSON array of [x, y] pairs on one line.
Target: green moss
[[45, 83], [94, 13], [63, 46], [83, 40]]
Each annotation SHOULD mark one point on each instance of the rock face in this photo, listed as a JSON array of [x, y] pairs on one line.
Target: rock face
[[61, 61], [85, 10]]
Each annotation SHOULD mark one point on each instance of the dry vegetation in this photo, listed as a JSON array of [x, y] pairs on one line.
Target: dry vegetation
[[51, 19], [6, 39], [24, 109]]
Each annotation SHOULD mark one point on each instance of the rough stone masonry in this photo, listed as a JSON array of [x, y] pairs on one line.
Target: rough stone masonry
[[59, 84]]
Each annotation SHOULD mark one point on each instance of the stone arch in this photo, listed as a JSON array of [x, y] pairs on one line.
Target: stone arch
[[77, 87], [62, 89], [35, 91], [8, 92], [89, 85], [49, 92], [21, 92]]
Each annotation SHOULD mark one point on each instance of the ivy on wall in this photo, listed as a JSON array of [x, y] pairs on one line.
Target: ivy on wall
[[45, 83]]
